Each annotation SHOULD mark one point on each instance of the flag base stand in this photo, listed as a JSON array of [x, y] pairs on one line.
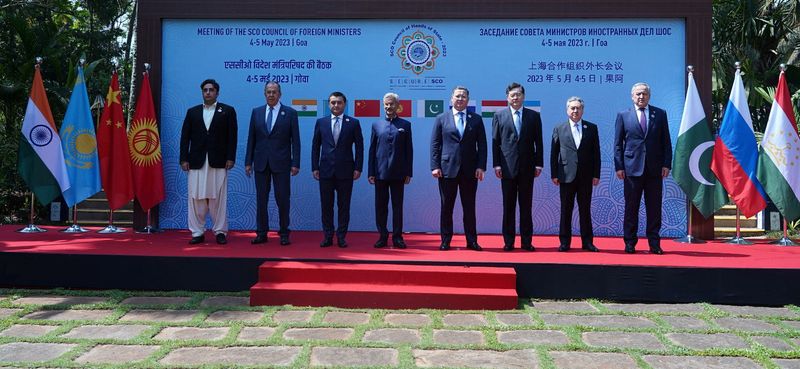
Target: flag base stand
[[74, 228], [784, 241], [110, 229], [31, 228], [738, 240], [689, 239], [149, 230]]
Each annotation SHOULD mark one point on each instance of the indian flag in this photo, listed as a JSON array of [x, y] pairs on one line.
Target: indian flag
[[305, 107], [779, 155], [489, 107]]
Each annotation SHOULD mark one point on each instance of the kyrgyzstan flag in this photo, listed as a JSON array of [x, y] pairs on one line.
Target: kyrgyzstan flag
[[404, 109], [112, 145], [145, 147]]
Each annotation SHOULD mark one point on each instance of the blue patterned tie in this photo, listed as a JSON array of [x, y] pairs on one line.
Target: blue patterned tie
[[460, 125]]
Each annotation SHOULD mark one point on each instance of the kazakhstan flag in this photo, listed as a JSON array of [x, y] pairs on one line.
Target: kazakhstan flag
[[80, 146]]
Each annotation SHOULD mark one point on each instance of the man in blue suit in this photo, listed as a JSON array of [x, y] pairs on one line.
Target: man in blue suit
[[458, 160], [391, 160], [273, 152], [575, 168], [642, 158], [337, 158], [518, 157]]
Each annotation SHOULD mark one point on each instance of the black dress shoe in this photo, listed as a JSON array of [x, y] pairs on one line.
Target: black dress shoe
[[327, 242], [221, 239], [380, 243], [563, 248], [508, 247], [591, 248], [474, 246], [196, 240], [630, 249], [285, 240], [528, 248], [656, 250], [444, 246], [398, 243], [259, 239], [341, 242]]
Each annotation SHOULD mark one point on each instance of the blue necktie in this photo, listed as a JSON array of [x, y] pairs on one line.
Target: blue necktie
[[460, 124], [517, 120], [269, 120]]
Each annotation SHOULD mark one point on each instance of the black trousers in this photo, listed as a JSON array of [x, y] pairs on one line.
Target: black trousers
[[341, 190], [652, 188], [283, 191], [382, 195], [517, 190], [582, 189], [467, 184]]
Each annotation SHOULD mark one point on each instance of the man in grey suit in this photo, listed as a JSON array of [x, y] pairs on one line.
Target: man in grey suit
[[642, 158], [273, 152], [575, 168], [458, 160], [337, 158], [518, 157]]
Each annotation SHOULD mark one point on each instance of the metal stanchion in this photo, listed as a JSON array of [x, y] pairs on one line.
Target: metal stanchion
[[74, 228], [31, 227], [111, 228], [689, 238], [149, 229], [738, 240], [785, 240]]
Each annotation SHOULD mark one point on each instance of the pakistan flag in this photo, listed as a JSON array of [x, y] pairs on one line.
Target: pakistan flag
[[691, 165]]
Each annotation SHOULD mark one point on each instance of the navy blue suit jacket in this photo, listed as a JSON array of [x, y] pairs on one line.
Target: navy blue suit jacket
[[633, 151], [278, 149], [338, 159], [391, 151], [452, 152], [517, 154]]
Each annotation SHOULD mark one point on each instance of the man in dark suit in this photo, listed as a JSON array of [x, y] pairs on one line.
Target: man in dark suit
[[273, 152], [337, 158], [458, 160], [391, 162], [575, 168], [207, 152], [517, 153], [642, 158]]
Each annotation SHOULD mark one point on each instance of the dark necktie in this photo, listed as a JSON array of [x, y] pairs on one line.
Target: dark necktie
[[269, 120], [337, 128]]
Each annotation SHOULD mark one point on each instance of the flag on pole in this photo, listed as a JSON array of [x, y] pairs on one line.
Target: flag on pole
[[735, 155], [79, 143], [691, 165], [145, 147], [112, 145], [41, 159], [779, 155]]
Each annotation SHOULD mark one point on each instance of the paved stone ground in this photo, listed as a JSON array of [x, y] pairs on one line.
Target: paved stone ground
[[118, 329]]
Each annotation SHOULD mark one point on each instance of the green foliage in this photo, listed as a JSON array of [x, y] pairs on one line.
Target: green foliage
[[61, 32]]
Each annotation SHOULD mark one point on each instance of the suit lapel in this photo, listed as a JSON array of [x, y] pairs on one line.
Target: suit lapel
[[566, 134], [278, 120]]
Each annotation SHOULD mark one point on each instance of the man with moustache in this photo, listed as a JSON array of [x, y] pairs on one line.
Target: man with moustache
[[337, 158]]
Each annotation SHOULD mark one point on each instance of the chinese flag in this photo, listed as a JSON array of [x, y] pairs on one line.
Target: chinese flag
[[112, 146], [404, 110], [368, 108], [145, 147]]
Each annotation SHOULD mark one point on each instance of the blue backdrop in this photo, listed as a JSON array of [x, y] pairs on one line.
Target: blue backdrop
[[598, 60]]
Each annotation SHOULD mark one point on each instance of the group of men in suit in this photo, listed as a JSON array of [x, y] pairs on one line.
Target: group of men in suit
[[458, 157]]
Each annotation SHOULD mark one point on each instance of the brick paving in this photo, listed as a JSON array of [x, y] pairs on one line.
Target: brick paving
[[207, 330]]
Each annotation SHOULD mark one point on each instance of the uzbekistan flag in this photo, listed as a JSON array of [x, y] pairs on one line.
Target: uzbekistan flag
[[305, 107], [779, 155], [735, 155], [489, 107]]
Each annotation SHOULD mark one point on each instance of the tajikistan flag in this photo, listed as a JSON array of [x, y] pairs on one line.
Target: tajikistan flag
[[779, 155]]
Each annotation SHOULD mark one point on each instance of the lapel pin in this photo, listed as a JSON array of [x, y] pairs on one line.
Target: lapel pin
[[219, 109], [584, 126], [283, 113], [346, 119]]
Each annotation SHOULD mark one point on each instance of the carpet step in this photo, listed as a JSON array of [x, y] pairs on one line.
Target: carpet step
[[365, 295], [387, 286]]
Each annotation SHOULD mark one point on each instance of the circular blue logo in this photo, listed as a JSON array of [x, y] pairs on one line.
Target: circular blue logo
[[418, 52], [41, 135]]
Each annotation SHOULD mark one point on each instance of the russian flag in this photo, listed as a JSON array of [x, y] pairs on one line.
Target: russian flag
[[735, 157]]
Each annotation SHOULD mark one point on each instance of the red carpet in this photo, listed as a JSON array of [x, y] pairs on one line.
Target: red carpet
[[422, 248], [385, 286]]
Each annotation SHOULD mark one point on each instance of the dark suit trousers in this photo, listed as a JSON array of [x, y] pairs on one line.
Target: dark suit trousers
[[382, 189], [651, 186], [467, 184], [282, 193], [342, 189], [582, 189], [519, 189]]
